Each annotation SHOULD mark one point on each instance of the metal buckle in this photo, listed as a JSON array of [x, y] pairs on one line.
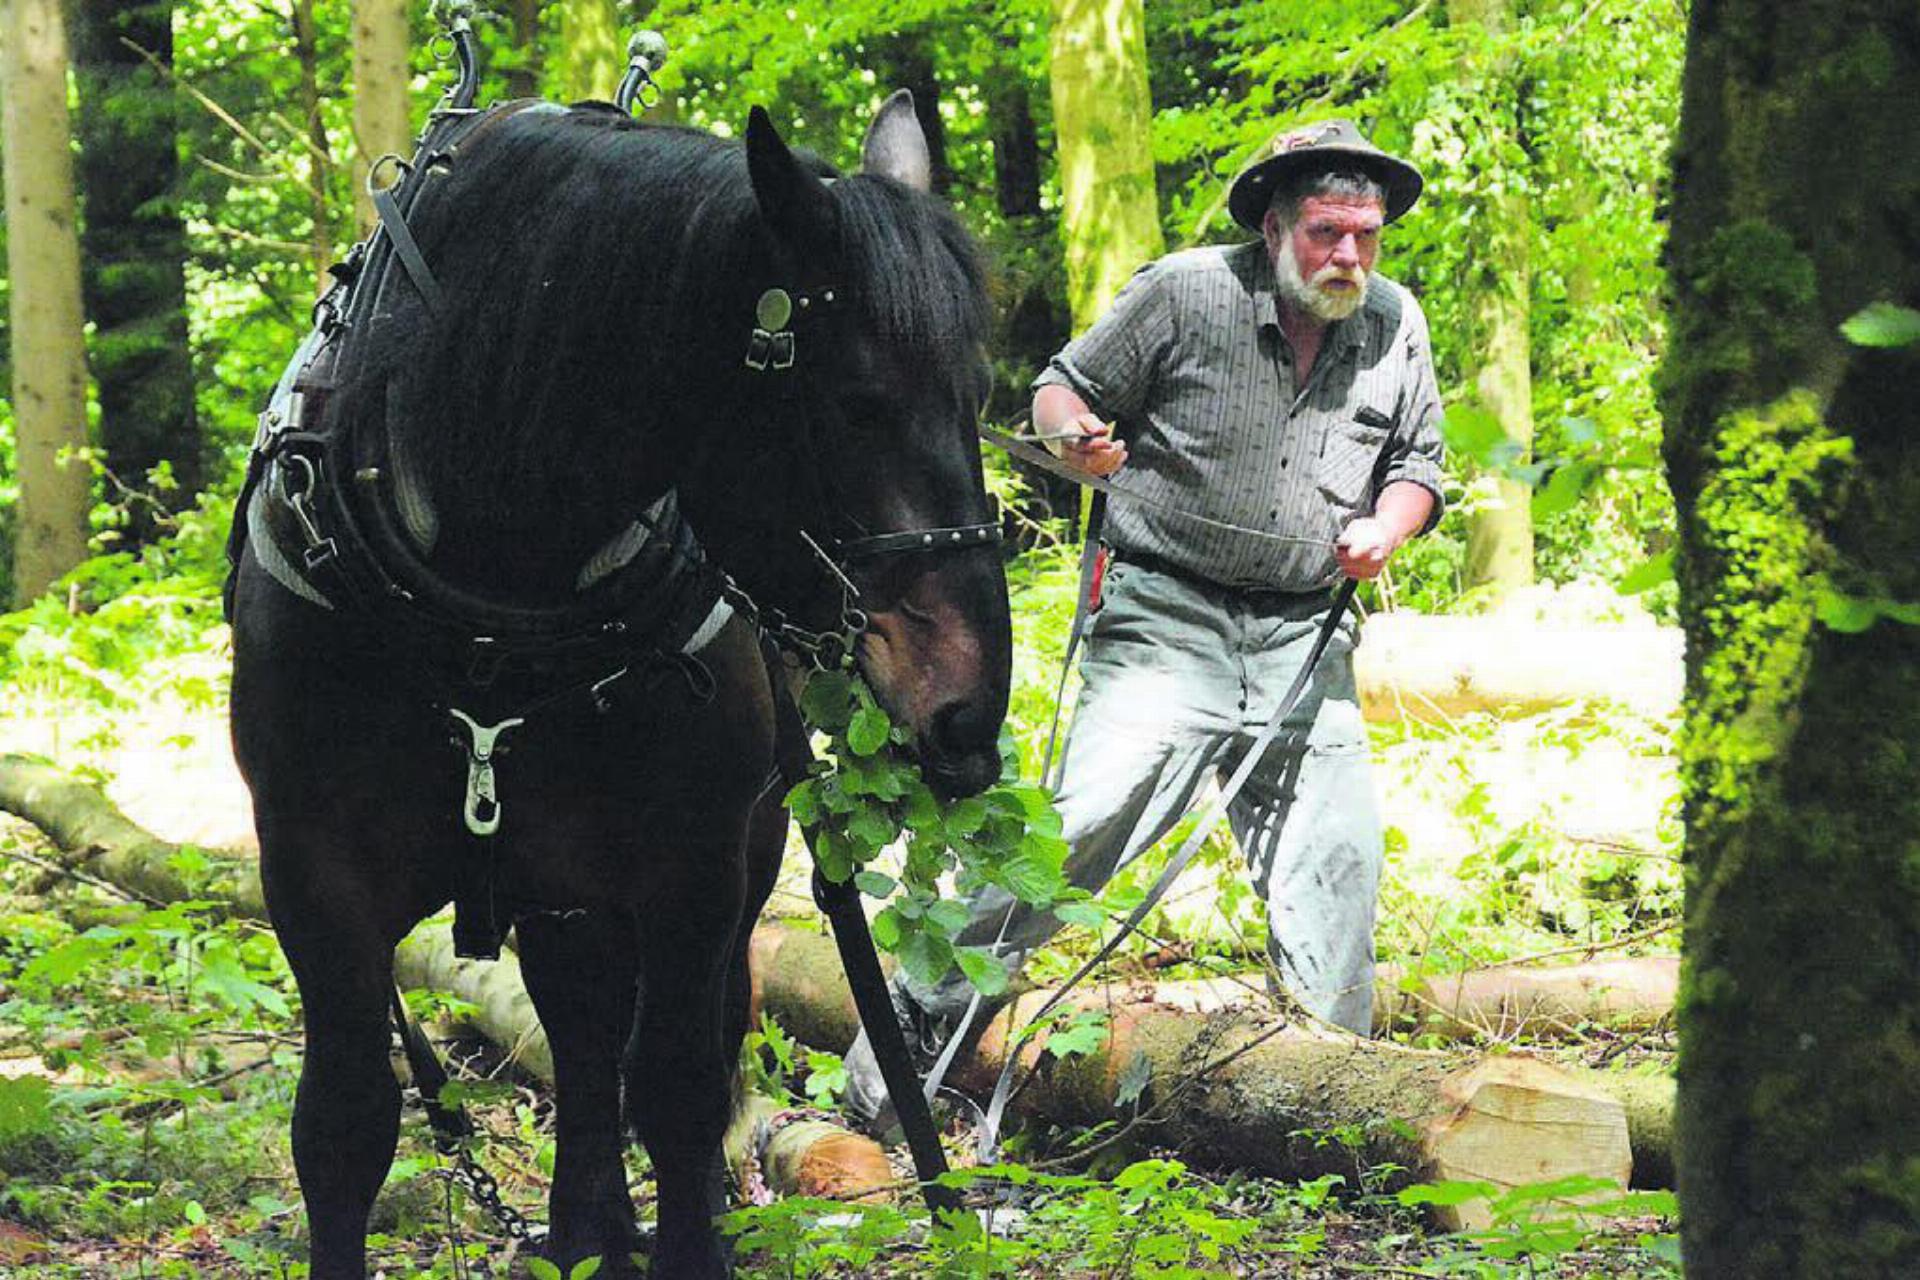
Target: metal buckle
[[482, 810]]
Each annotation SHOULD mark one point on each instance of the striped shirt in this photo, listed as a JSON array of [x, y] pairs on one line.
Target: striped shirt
[[1190, 365]]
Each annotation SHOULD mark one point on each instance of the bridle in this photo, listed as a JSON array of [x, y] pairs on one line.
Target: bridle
[[773, 350]]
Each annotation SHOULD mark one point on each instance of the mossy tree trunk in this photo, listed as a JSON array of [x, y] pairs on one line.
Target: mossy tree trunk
[[134, 252], [593, 52], [1103, 122], [1500, 530], [381, 61], [43, 271], [1794, 459]]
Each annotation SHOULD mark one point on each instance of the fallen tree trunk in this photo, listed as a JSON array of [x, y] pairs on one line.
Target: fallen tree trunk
[[95, 837], [1272, 1095], [1423, 667], [808, 1157], [1471, 1115]]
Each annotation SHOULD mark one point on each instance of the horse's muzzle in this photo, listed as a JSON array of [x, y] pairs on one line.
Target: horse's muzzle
[[960, 750]]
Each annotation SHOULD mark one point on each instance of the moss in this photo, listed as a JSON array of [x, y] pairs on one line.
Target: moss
[[1755, 562]]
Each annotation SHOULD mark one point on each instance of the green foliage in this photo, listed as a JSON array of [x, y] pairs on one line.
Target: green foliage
[[867, 794], [1883, 325]]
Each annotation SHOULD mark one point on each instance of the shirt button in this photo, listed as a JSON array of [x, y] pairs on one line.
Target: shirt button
[[1283, 464]]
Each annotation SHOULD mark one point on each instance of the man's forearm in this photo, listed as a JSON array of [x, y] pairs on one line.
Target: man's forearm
[[1403, 508]]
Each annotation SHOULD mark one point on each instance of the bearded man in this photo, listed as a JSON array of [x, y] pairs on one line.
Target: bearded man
[[1253, 387]]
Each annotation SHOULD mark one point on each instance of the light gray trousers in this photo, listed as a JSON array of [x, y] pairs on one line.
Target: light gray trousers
[[1178, 681]]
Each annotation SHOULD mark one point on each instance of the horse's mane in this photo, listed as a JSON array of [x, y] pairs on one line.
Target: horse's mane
[[599, 275]]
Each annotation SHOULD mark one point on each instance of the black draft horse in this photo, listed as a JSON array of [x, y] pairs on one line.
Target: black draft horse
[[603, 283]]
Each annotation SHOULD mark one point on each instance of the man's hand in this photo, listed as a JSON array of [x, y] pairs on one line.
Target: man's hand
[[1364, 547], [1096, 451]]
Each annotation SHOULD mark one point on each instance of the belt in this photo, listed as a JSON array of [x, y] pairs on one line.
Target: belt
[[1192, 577]]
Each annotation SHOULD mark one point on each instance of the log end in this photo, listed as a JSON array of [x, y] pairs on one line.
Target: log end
[[1514, 1121]]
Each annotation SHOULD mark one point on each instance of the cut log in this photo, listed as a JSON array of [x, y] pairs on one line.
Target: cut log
[[1513, 1002], [1505, 1120], [1423, 667]]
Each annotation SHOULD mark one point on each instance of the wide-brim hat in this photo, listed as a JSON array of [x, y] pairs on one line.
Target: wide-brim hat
[[1329, 145]]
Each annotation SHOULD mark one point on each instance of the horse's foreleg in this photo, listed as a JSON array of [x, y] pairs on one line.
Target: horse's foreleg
[[346, 1115], [681, 1064], [580, 972]]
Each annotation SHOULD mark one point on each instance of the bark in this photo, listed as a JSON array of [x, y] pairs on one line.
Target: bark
[[1103, 118], [1016, 143], [97, 838], [1792, 457], [1502, 1119], [1414, 667], [1500, 532], [381, 126], [134, 252], [593, 53], [1531, 1003], [523, 76], [306, 47], [43, 271]]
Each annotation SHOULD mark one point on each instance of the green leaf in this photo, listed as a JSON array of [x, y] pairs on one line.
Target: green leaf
[[1447, 1193], [585, 1269], [875, 884], [887, 929], [833, 855], [926, 956], [1471, 431], [827, 701], [1844, 613], [1084, 1035], [951, 916], [26, 1107], [1647, 575], [1564, 488], [983, 969], [1084, 914], [966, 817], [803, 802], [1883, 325], [67, 961], [872, 828], [923, 811], [541, 1269], [868, 731]]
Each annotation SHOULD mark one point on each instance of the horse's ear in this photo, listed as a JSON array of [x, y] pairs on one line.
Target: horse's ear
[[895, 146], [794, 202]]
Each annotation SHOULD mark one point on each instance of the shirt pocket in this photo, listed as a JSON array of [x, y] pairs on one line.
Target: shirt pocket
[[1347, 453]]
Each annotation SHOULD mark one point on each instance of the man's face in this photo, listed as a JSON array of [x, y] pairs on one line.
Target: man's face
[[1324, 259]]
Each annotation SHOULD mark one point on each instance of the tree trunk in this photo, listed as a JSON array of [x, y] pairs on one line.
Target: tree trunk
[[306, 47], [43, 270], [1794, 459], [1103, 122], [1506, 1120], [1412, 666], [593, 54], [134, 252], [523, 74], [381, 62], [1016, 143], [1500, 532]]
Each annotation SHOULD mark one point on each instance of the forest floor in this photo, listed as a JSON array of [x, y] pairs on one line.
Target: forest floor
[[1506, 837]]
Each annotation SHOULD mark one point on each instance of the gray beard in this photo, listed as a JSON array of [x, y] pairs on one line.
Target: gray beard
[[1313, 299]]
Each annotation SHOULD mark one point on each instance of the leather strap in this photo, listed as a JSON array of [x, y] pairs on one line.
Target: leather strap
[[394, 223]]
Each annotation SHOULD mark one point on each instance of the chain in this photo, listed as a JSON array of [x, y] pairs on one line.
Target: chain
[[483, 1189]]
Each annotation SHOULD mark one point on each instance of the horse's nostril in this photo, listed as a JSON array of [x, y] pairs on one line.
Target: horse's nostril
[[960, 727]]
